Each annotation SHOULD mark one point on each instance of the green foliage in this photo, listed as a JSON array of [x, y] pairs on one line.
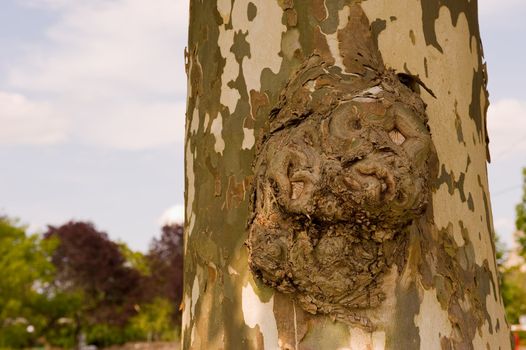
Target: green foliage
[[29, 297], [75, 281], [514, 293], [62, 309], [26, 275], [154, 321], [103, 335], [15, 335], [513, 279], [136, 260], [63, 334]]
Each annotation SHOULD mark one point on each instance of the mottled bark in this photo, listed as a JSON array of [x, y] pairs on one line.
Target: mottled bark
[[404, 77]]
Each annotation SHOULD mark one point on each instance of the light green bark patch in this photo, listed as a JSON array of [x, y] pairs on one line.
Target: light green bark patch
[[327, 335]]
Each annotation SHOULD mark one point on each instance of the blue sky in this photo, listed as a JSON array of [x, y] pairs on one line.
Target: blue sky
[[92, 96]]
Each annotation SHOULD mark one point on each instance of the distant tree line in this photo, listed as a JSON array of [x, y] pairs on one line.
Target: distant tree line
[[73, 284]]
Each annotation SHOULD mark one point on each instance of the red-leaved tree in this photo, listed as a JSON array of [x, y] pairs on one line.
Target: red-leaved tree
[[165, 258], [87, 260]]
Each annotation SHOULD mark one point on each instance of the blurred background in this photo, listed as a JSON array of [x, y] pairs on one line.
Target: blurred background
[[92, 102]]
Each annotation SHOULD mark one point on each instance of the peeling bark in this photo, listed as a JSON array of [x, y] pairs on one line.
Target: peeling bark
[[350, 135]]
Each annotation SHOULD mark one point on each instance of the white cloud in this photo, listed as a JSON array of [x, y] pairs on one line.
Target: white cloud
[[102, 47], [23, 121], [507, 128], [115, 68], [172, 215]]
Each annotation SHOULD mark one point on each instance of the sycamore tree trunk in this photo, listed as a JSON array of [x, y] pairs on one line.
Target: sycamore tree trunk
[[336, 183]]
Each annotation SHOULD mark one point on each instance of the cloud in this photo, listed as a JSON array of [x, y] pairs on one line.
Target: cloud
[[102, 47], [172, 215], [507, 128], [114, 67], [29, 122]]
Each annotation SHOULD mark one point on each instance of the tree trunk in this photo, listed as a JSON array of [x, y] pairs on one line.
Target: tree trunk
[[336, 183]]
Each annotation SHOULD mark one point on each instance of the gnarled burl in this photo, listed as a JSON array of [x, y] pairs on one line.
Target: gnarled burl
[[340, 176]]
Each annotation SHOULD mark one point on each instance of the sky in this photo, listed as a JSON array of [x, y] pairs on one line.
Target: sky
[[92, 100]]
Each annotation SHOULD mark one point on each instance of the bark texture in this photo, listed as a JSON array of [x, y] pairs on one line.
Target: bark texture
[[339, 149]]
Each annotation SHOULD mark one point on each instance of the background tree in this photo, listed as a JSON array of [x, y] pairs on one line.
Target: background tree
[[240, 56], [514, 292], [165, 261], [24, 286], [136, 260], [155, 321], [87, 262], [159, 314], [77, 281], [513, 278]]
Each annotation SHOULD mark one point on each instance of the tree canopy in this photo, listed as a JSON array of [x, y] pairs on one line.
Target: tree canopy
[[74, 282]]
